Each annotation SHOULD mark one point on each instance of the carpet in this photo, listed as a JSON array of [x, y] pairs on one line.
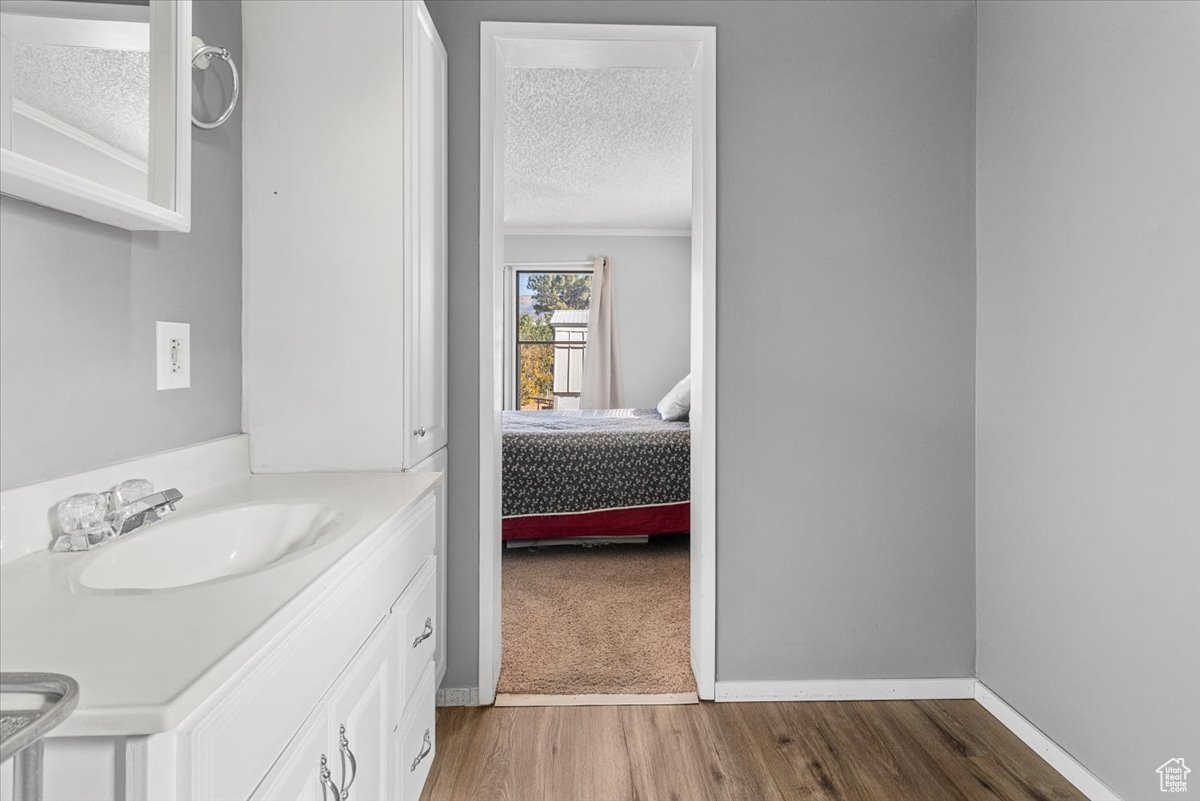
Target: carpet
[[610, 619]]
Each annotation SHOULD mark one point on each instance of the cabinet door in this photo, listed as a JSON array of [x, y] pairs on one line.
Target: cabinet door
[[360, 711], [297, 774], [425, 235]]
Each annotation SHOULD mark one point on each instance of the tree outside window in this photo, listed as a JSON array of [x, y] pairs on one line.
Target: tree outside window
[[539, 295]]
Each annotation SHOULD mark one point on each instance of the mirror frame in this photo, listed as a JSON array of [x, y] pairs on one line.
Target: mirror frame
[[170, 162]]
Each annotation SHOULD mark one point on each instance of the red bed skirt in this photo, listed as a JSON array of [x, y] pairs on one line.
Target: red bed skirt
[[672, 518]]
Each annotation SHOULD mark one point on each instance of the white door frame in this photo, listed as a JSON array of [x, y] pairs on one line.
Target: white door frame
[[569, 45]]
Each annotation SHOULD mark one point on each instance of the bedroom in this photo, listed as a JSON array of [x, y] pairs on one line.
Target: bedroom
[[595, 435]]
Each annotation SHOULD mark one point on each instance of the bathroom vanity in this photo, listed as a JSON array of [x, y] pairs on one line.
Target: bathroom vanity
[[310, 669]]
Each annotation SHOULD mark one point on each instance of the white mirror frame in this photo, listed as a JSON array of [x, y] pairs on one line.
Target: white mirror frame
[[170, 162]]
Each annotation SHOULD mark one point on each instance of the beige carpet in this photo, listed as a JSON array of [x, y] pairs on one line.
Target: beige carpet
[[611, 619]]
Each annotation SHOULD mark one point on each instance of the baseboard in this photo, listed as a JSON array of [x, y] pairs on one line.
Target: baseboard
[[914, 689], [845, 690], [1084, 780], [458, 696]]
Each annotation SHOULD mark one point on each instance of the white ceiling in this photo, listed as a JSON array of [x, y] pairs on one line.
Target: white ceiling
[[598, 148]]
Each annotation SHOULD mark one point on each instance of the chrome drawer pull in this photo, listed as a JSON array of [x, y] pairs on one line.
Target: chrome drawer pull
[[327, 784], [426, 747], [426, 634], [344, 747], [420, 432]]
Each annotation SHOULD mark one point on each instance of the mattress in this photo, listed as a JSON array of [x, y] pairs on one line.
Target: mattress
[[594, 472]]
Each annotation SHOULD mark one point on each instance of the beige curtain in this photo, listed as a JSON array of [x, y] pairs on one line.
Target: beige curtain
[[601, 367]]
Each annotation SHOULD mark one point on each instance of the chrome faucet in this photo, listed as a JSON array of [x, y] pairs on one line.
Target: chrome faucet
[[92, 519], [144, 511]]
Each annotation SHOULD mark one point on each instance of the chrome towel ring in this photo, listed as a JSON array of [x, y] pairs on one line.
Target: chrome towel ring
[[202, 56]]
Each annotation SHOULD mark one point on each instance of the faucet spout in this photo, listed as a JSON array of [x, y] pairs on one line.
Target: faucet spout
[[145, 511]]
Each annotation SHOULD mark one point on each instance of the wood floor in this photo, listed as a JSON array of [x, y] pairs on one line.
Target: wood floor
[[845, 751]]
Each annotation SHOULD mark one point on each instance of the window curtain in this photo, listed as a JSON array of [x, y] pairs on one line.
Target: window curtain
[[601, 387]]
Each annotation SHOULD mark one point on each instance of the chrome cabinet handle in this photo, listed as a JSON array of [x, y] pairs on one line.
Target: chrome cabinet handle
[[426, 634], [426, 747], [344, 747], [420, 432], [327, 784]]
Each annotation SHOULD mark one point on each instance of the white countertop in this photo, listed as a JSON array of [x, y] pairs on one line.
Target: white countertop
[[145, 661]]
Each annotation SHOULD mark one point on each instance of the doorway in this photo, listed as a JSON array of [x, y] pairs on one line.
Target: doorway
[[505, 45]]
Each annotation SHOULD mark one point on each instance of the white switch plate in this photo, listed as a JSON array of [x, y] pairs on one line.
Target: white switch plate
[[173, 349]]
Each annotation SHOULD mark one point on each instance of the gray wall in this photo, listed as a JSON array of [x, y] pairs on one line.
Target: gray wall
[[845, 215], [653, 277], [78, 302], [1089, 378]]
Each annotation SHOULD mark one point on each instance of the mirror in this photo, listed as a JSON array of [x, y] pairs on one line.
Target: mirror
[[95, 104]]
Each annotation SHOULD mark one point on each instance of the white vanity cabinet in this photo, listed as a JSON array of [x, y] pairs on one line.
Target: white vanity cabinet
[[344, 235], [357, 710], [236, 686], [366, 749], [374, 726], [239, 689]]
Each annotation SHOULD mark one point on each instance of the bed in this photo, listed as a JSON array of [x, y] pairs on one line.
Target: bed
[[594, 473]]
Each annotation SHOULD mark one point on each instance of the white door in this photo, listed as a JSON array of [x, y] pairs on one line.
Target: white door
[[361, 718], [297, 775], [425, 217]]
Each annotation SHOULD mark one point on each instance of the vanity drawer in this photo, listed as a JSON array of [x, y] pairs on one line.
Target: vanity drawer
[[419, 542], [416, 738], [416, 616]]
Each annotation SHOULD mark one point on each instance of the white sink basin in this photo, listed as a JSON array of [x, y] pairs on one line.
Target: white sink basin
[[209, 546]]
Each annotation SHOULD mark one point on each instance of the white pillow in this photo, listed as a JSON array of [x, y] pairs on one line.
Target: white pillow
[[677, 404]]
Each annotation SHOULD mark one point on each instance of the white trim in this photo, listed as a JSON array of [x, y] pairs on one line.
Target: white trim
[[106, 26], [519, 231], [44, 185], [1055, 755], [491, 356], [112, 12], [846, 690], [916, 689], [704, 365], [170, 156], [66, 129], [615, 45]]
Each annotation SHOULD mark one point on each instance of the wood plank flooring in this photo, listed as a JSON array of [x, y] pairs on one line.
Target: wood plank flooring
[[843, 751]]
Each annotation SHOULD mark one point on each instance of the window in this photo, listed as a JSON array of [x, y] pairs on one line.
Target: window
[[550, 337]]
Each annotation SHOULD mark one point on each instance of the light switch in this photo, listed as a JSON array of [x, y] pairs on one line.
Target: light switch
[[174, 355]]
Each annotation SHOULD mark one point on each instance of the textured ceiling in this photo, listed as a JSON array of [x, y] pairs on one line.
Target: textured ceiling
[[598, 148], [105, 93]]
